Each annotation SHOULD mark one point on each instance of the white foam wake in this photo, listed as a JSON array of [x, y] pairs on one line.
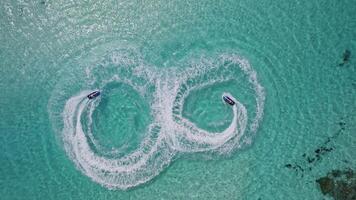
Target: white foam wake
[[123, 173], [170, 133]]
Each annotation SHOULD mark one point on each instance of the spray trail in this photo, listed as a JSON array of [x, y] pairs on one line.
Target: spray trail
[[169, 132]]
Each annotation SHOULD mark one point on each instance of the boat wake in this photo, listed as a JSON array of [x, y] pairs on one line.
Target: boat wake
[[170, 133]]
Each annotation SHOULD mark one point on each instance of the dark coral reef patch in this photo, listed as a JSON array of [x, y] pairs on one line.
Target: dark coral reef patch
[[345, 57], [311, 158], [339, 184]]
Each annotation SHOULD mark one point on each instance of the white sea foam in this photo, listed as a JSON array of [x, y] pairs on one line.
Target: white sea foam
[[170, 133], [133, 169]]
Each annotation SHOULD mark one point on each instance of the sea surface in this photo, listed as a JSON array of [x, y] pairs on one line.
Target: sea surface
[[160, 129]]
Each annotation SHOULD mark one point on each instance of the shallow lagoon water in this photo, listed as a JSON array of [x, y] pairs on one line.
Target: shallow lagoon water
[[148, 56]]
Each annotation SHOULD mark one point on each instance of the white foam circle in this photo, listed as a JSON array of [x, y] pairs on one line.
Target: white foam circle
[[190, 138]]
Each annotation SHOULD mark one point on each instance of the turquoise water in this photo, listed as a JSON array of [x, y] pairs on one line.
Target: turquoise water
[[160, 129]]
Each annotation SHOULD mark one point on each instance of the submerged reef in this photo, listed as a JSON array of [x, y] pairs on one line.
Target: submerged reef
[[339, 184], [311, 158], [345, 57]]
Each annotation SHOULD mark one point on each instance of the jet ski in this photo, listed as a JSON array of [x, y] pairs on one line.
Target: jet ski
[[228, 100], [93, 95]]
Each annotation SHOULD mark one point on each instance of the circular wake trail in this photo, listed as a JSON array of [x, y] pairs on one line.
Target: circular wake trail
[[131, 170], [187, 136]]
